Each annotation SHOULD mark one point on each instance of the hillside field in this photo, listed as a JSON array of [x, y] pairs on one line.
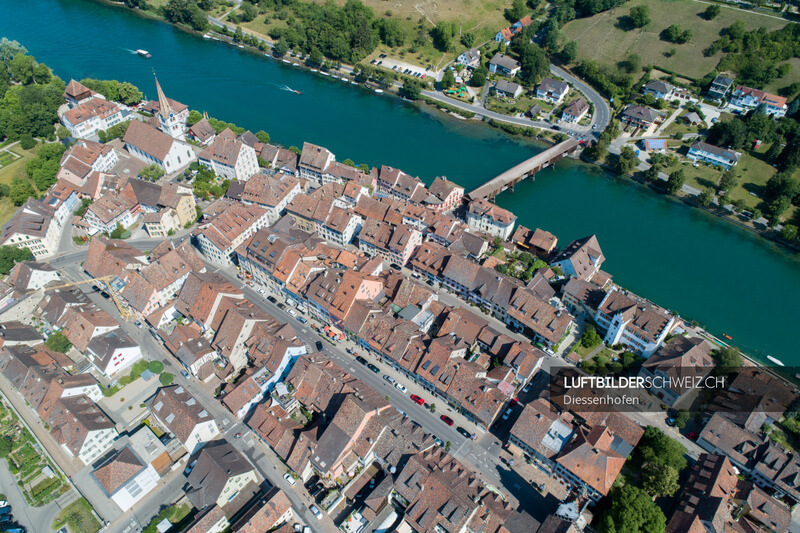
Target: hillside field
[[600, 37]]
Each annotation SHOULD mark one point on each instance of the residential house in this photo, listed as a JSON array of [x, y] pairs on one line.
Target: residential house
[[14, 332], [723, 157], [582, 259], [677, 365], [83, 158], [504, 65], [219, 237], [64, 200], [181, 414], [202, 132], [314, 163], [81, 428], [229, 158], [538, 241], [447, 192], [108, 212], [470, 58], [33, 226], [505, 35], [125, 477], [273, 193], [484, 216], [552, 91], [719, 88], [575, 111], [88, 119], [113, 352], [634, 323], [748, 98], [31, 276], [223, 477], [146, 143], [638, 116], [272, 510], [509, 89], [395, 244], [81, 324], [341, 226], [658, 88], [541, 433], [591, 462], [175, 200], [582, 298], [249, 390], [76, 93], [112, 257], [211, 520]]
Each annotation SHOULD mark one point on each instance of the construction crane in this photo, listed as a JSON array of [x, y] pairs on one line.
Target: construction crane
[[124, 310]]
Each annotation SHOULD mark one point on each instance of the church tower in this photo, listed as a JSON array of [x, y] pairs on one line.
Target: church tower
[[170, 121]]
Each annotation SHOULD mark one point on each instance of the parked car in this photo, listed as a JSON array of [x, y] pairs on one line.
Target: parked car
[[527, 387], [396, 266], [417, 399], [311, 481], [188, 469], [138, 324], [692, 435], [3, 503], [185, 374], [105, 295], [671, 422], [292, 313], [447, 420], [290, 479], [281, 306], [361, 360], [272, 299], [302, 320], [464, 432], [373, 368], [315, 510], [507, 413], [389, 378], [319, 346], [400, 387]]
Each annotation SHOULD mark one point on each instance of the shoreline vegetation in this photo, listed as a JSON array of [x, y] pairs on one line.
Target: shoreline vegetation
[[375, 79]]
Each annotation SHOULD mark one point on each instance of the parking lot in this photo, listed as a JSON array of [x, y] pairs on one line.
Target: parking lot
[[401, 67]]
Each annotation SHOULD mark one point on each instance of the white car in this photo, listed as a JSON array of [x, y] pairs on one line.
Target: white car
[[527, 387], [316, 511], [507, 414], [400, 387], [390, 379], [289, 479], [292, 312], [262, 292]]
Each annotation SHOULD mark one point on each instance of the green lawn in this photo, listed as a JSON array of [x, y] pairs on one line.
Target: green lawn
[[78, 517], [8, 173], [510, 107], [600, 38]]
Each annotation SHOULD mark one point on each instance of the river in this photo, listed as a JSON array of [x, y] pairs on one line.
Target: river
[[726, 278]]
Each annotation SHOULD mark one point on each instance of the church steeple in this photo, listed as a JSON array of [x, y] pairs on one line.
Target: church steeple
[[163, 104]]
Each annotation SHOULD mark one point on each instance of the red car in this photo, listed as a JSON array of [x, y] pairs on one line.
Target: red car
[[692, 435], [417, 399], [447, 420]]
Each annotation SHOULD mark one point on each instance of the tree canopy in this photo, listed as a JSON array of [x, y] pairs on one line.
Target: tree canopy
[[58, 342], [124, 92], [10, 255], [631, 510]]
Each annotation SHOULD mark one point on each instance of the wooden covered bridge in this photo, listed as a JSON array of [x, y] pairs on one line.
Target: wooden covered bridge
[[517, 173]]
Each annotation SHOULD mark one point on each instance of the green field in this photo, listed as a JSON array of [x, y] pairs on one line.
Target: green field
[[8, 173], [600, 38]]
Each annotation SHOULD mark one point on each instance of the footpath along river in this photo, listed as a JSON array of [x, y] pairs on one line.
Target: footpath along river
[[726, 278]]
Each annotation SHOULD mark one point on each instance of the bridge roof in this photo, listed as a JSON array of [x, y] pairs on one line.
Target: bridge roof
[[497, 183]]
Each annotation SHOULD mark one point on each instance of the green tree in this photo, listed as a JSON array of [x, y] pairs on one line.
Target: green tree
[[706, 197], [21, 68], [42, 74], [590, 337], [62, 132], [681, 418], [781, 184], [26, 141], [6, 445], [280, 48], [535, 64], [631, 510], [675, 181], [640, 16], [448, 80], [262, 136], [570, 52], [675, 34], [21, 190], [789, 232], [156, 367], [756, 214], [479, 75], [443, 35], [412, 88], [129, 94], [392, 33], [248, 12], [58, 342], [316, 57], [517, 11], [166, 379], [711, 12], [727, 181], [468, 39], [633, 64], [728, 359], [659, 480], [552, 36], [627, 160], [117, 232], [194, 117], [10, 255], [152, 173], [775, 209], [737, 30]]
